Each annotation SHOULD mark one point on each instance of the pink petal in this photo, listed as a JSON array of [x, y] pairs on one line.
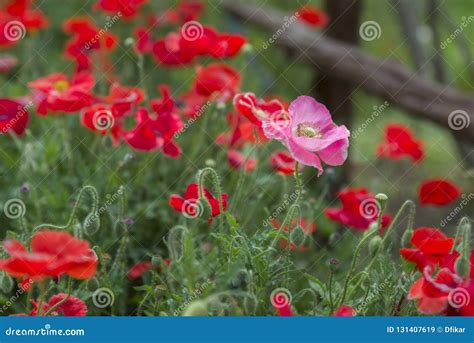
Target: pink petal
[[336, 153], [305, 157], [329, 137], [305, 109]]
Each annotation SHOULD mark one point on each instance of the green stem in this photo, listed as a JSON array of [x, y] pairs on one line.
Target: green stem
[[353, 263], [215, 181], [299, 187], [95, 205], [331, 301], [69, 291]]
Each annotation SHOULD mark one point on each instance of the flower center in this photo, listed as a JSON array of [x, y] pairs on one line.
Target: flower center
[[305, 130], [61, 85]]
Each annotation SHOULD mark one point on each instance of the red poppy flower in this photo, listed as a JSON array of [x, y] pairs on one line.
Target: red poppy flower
[[143, 136], [185, 10], [13, 116], [16, 17], [193, 105], [312, 16], [107, 116], [282, 162], [53, 253], [70, 306], [151, 133], [399, 142], [308, 228], [86, 38], [359, 209], [217, 80], [255, 109], [193, 40], [190, 206], [241, 132], [7, 62], [438, 192], [432, 294], [56, 93], [144, 41], [344, 311], [168, 122], [432, 248], [126, 8], [237, 160], [138, 269]]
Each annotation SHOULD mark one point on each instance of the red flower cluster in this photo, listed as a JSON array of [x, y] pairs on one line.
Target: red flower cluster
[[432, 248], [53, 253], [359, 209], [126, 8], [86, 37], [17, 17], [62, 304], [191, 41], [400, 142], [59, 94], [191, 207], [152, 133], [433, 253], [214, 82]]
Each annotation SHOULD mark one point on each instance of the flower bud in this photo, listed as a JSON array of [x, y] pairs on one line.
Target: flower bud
[[196, 308], [333, 264], [374, 245], [297, 236], [91, 223], [6, 283]]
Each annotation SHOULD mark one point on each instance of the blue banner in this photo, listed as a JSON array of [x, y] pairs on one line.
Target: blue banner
[[237, 329]]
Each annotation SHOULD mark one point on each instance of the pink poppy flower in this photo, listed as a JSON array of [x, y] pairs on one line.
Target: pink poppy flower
[[309, 133]]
